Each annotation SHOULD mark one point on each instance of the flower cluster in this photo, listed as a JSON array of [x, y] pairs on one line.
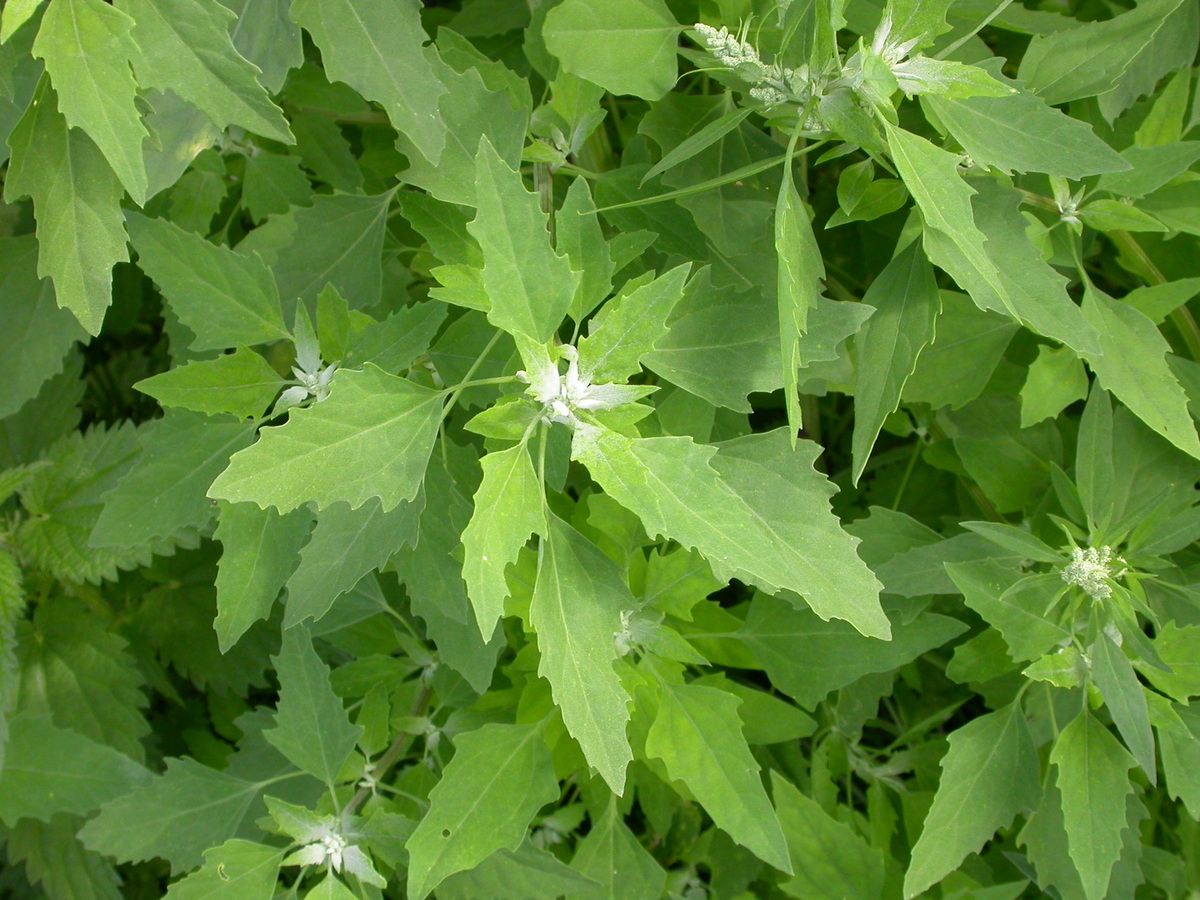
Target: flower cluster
[[1092, 569], [773, 85], [326, 845], [562, 395]]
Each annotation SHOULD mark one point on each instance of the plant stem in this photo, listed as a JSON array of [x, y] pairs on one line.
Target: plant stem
[[466, 382], [1180, 317], [392, 755]]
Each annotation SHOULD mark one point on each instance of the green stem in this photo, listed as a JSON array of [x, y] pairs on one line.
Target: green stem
[[942, 54], [1181, 317], [392, 755], [466, 382]]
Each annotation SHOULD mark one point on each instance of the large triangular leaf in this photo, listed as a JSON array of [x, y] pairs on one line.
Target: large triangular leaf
[[370, 438], [576, 610]]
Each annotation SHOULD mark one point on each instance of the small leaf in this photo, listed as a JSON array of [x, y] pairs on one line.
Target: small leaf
[[311, 726], [989, 775], [698, 736], [370, 438], [576, 612], [1093, 777], [1126, 700], [224, 298], [530, 286], [184, 47], [625, 46], [241, 383], [508, 509], [500, 776], [237, 870]]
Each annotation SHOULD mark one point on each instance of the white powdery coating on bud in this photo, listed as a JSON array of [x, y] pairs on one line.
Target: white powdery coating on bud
[[1090, 569], [726, 47]]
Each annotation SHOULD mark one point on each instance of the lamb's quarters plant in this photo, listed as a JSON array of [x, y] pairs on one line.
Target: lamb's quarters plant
[[702, 449]]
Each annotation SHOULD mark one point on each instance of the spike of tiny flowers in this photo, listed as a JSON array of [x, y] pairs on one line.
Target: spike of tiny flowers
[[1092, 569]]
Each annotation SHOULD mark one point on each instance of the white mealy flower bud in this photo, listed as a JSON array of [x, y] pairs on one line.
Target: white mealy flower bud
[[1090, 569]]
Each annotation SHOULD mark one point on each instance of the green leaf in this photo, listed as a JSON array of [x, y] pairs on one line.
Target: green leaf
[[1056, 379], [1093, 776], [509, 508], [519, 875], [163, 496], [1013, 603], [370, 438], [1133, 366], [698, 736], [722, 344], [224, 298], [266, 36], [1176, 646], [906, 300], [757, 510], [346, 544], [81, 675], [33, 322], [1091, 58], [399, 339], [260, 549], [241, 383], [87, 48], [273, 184], [990, 774], [830, 861], [1150, 168], [338, 240], [500, 776], [376, 48], [835, 654], [15, 14], [184, 46], [1179, 744], [311, 726], [625, 46], [529, 285], [798, 285], [611, 856], [50, 770], [1126, 700], [1021, 132], [629, 327], [578, 235], [76, 199], [576, 610], [237, 870], [57, 861]]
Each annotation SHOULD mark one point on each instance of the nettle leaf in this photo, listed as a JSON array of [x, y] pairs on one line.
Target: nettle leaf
[[755, 509], [237, 870], [346, 544], [509, 507], [163, 495], [184, 47], [576, 611], [260, 551], [311, 726], [49, 770], [1092, 773], [76, 199], [625, 46], [629, 327], [835, 654], [989, 775], [488, 794], [241, 383], [698, 736], [87, 47], [370, 438], [906, 300], [529, 285], [224, 298], [44, 332], [376, 48]]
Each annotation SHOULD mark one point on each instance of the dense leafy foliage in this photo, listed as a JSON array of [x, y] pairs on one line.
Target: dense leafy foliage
[[600, 448]]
